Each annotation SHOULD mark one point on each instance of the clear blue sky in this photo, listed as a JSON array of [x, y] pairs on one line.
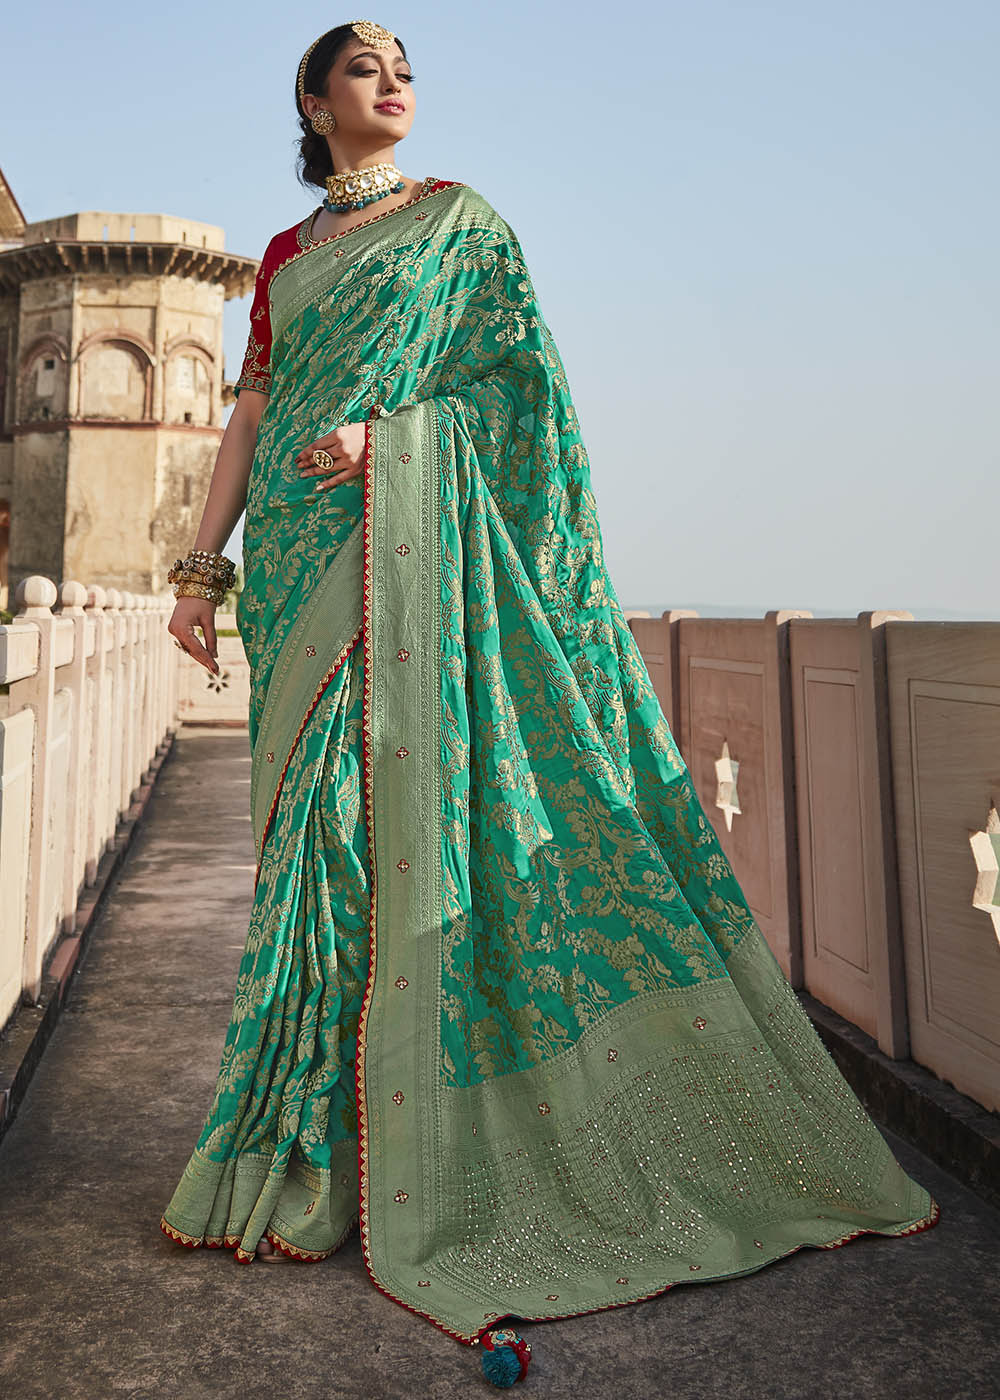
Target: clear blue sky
[[764, 235]]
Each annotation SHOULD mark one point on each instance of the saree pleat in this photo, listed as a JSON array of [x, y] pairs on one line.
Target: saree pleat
[[503, 1001]]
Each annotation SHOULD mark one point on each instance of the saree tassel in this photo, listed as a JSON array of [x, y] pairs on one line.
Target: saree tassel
[[505, 1356]]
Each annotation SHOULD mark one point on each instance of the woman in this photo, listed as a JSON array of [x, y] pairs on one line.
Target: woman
[[503, 1002]]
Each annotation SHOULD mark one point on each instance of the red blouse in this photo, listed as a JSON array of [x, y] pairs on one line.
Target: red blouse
[[291, 243]]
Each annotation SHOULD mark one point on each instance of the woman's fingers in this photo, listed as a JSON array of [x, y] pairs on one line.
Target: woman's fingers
[[340, 455], [188, 614], [345, 475], [194, 648]]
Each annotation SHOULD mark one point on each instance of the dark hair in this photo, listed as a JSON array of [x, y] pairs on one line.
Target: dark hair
[[314, 163]]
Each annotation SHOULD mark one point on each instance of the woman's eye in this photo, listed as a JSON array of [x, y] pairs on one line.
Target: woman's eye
[[367, 73]]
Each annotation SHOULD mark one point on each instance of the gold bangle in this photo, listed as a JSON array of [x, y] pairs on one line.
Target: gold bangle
[[198, 590]]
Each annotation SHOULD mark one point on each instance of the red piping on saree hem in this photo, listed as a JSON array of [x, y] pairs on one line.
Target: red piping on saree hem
[[233, 1242], [305, 719]]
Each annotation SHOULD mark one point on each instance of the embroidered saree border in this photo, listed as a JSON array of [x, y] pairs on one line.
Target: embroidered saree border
[[401, 639]]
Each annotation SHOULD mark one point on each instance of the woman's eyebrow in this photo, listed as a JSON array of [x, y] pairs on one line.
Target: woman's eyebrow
[[367, 53]]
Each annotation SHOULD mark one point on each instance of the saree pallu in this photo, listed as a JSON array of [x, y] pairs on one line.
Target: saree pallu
[[503, 1003]]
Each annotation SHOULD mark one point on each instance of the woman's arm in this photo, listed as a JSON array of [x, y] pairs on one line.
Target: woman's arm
[[227, 492], [224, 504]]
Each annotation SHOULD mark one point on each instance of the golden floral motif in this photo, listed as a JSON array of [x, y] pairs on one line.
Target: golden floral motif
[[423, 1283], [402, 654], [551, 1297], [403, 549], [699, 1023], [621, 1280], [269, 756], [402, 864], [543, 1108], [405, 457], [612, 1055], [402, 983], [759, 1244], [401, 1196], [310, 651], [402, 752], [398, 1096]]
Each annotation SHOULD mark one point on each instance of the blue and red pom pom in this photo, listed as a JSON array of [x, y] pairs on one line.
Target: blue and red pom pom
[[505, 1356]]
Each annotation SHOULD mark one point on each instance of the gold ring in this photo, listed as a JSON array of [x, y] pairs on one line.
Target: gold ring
[[322, 458]]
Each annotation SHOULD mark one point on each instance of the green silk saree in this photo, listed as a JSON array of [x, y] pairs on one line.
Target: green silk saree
[[502, 1003]]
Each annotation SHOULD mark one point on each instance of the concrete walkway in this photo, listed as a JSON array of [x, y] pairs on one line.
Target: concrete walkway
[[96, 1303]]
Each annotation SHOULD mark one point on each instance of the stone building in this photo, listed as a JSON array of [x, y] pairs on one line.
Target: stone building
[[111, 391]]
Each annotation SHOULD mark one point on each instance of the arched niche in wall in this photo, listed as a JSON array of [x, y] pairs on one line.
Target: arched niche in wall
[[115, 371], [188, 376], [43, 380]]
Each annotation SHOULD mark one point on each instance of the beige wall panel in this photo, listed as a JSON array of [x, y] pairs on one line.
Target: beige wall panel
[[727, 704], [834, 791], [58, 816], [945, 705], [109, 506], [828, 724], [16, 741], [732, 688]]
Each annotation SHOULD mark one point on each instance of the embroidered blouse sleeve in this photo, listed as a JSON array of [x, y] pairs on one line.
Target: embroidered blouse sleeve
[[256, 371]]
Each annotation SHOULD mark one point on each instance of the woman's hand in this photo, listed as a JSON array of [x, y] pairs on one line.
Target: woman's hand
[[346, 445], [188, 614]]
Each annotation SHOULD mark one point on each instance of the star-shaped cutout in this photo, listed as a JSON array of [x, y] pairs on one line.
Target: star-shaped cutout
[[726, 796], [986, 849]]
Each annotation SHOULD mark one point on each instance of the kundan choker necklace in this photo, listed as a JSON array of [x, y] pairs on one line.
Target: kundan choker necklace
[[353, 189]]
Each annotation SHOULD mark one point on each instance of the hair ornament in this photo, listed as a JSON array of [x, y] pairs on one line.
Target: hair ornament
[[375, 35]]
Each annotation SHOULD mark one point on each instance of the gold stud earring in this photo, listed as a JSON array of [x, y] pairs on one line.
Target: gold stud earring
[[323, 122]]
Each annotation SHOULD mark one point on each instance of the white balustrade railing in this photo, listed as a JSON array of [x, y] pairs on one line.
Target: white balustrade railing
[[92, 693]]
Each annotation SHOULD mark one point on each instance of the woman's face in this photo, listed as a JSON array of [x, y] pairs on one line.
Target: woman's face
[[368, 91]]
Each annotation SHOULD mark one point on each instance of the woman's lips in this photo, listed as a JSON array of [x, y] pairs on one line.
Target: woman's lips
[[389, 107]]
